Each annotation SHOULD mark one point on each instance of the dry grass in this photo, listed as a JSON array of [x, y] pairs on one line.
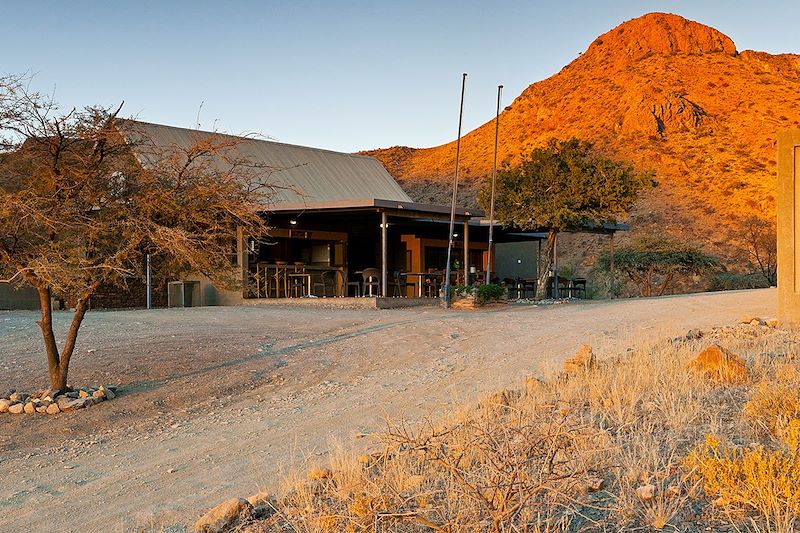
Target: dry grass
[[620, 447]]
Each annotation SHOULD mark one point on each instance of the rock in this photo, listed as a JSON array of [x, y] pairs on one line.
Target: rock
[[318, 473], [73, 395], [4, 405], [109, 393], [16, 408], [595, 483], [8, 393], [263, 504], [99, 395], [583, 360], [224, 516], [41, 409], [29, 408], [771, 322], [755, 322], [646, 492], [15, 397], [53, 409], [694, 334], [83, 394], [748, 319], [61, 401], [673, 491], [78, 403], [718, 364]]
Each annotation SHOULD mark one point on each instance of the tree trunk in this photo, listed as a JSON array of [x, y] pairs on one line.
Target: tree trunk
[[58, 363], [545, 264]]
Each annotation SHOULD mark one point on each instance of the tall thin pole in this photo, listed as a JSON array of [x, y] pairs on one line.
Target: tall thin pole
[[494, 185], [149, 284], [455, 193]]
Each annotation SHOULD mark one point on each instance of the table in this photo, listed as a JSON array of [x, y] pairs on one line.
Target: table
[[421, 279], [302, 275]]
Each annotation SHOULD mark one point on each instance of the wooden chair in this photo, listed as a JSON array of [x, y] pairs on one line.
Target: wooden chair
[[579, 288]]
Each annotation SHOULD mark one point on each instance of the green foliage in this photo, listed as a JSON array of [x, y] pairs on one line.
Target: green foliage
[[482, 293], [564, 184], [731, 281], [652, 262], [489, 293]]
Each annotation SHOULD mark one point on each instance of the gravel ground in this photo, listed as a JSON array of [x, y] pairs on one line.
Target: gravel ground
[[216, 402]]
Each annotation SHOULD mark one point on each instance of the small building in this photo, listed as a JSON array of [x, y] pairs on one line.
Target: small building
[[339, 220]]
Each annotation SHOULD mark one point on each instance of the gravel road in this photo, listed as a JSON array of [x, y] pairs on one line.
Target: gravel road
[[215, 402]]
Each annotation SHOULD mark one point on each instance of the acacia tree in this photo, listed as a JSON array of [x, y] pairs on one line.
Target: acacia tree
[[565, 184], [81, 204], [652, 262], [761, 242]]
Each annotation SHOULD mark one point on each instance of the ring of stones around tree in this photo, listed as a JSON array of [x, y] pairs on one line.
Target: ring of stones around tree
[[52, 403]]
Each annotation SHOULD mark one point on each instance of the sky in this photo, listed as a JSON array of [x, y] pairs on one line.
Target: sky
[[331, 74]]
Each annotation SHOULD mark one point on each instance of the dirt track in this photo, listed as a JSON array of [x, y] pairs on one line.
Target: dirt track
[[214, 402]]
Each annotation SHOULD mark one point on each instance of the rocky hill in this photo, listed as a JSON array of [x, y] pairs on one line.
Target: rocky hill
[[663, 92]]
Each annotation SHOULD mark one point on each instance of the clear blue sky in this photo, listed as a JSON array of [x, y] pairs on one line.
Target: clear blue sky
[[333, 74]]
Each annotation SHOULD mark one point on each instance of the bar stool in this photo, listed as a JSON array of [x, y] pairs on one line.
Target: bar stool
[[280, 279], [299, 278]]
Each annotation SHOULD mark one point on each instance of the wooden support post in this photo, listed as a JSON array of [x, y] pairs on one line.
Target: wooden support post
[[384, 256], [242, 255], [611, 264], [466, 253]]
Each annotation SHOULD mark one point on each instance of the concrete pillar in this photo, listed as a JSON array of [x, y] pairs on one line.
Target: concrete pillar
[[789, 227], [384, 255]]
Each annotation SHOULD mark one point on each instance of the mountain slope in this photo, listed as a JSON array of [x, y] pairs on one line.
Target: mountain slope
[[663, 92]]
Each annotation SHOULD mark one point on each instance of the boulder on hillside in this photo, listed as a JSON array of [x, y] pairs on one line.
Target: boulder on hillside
[[225, 516], [718, 364]]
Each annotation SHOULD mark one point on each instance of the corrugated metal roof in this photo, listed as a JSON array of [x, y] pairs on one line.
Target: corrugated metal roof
[[317, 175]]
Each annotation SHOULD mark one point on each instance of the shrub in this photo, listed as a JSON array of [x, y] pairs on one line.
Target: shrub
[[731, 281], [489, 293], [772, 407], [766, 481]]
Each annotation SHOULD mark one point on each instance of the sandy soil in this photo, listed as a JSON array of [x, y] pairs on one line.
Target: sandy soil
[[216, 402]]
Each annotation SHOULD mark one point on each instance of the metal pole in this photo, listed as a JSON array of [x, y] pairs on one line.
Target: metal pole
[[149, 285], [494, 185], [466, 253], [555, 266], [455, 193], [384, 255]]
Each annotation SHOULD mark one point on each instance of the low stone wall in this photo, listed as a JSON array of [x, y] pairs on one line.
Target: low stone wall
[[18, 298]]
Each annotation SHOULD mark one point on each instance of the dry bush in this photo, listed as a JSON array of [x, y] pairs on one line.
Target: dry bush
[[772, 407], [573, 453], [754, 477]]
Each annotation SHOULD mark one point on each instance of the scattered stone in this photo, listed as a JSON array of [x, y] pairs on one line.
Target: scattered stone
[[755, 322], [99, 395], [607, 403], [771, 322], [4, 405], [263, 504], [78, 403], [748, 319], [595, 483], [72, 394], [108, 392], [583, 360], [694, 334], [718, 364], [41, 409], [364, 459], [15, 397], [318, 473], [16, 408], [83, 394], [53, 409], [646, 492], [29, 408], [224, 516]]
